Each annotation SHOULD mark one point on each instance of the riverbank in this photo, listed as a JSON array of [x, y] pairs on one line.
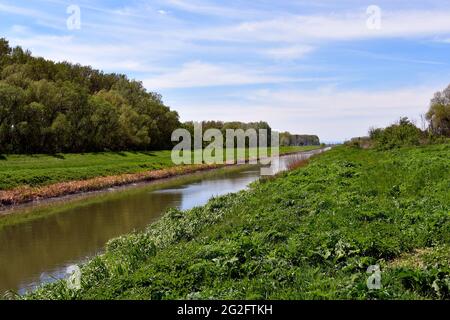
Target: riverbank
[[307, 234], [31, 211], [30, 178]]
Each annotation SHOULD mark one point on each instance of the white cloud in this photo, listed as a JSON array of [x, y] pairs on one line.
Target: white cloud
[[393, 57], [36, 14], [291, 36], [342, 26], [352, 103], [20, 11], [201, 74], [112, 57], [204, 8], [290, 52], [445, 40], [332, 114], [19, 29]]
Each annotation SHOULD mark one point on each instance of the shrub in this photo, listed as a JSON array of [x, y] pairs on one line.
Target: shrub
[[402, 133]]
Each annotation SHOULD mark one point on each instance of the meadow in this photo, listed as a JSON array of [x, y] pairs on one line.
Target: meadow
[[310, 233], [41, 170]]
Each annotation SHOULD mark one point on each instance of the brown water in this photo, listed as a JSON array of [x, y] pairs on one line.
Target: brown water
[[40, 251]]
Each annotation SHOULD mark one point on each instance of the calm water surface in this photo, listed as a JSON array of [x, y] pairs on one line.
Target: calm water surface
[[41, 250]]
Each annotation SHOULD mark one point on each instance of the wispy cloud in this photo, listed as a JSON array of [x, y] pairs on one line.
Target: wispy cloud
[[350, 25], [111, 57], [396, 58], [317, 110], [21, 11], [208, 9], [289, 52], [315, 64], [201, 74], [39, 15]]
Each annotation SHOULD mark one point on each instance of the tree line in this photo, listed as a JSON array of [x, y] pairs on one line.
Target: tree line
[[404, 132], [48, 107], [288, 139], [232, 125]]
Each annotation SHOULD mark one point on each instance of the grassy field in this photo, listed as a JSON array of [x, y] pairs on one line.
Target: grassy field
[[40, 170], [307, 234]]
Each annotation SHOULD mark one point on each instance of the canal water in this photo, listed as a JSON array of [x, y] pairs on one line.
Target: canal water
[[71, 231]]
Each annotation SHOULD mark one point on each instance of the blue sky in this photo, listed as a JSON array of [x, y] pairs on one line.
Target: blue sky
[[303, 66]]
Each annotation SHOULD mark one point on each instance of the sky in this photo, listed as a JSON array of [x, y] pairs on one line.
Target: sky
[[331, 68]]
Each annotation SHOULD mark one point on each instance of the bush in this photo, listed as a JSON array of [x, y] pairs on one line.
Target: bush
[[403, 133], [359, 142]]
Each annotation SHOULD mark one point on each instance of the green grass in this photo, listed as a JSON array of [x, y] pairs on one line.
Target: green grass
[[308, 234], [39, 170]]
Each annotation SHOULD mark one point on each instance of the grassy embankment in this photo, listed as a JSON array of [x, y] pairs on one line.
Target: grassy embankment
[[307, 234], [24, 178]]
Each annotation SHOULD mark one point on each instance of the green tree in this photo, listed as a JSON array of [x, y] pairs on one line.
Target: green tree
[[4, 47], [50, 107], [11, 100], [31, 137], [105, 121], [402, 133], [5, 51], [439, 113], [61, 133], [132, 129]]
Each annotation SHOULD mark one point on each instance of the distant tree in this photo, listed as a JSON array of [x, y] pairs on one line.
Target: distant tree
[[439, 113], [288, 139], [234, 125], [285, 138]]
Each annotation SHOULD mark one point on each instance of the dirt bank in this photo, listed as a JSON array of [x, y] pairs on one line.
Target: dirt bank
[[24, 194]]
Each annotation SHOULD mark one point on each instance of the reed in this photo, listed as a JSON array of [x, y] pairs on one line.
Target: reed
[[295, 163], [25, 194]]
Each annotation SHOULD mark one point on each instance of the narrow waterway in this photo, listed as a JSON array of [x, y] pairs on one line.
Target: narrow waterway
[[40, 251]]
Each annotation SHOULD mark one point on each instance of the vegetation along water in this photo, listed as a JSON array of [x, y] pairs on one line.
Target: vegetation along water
[[308, 233]]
